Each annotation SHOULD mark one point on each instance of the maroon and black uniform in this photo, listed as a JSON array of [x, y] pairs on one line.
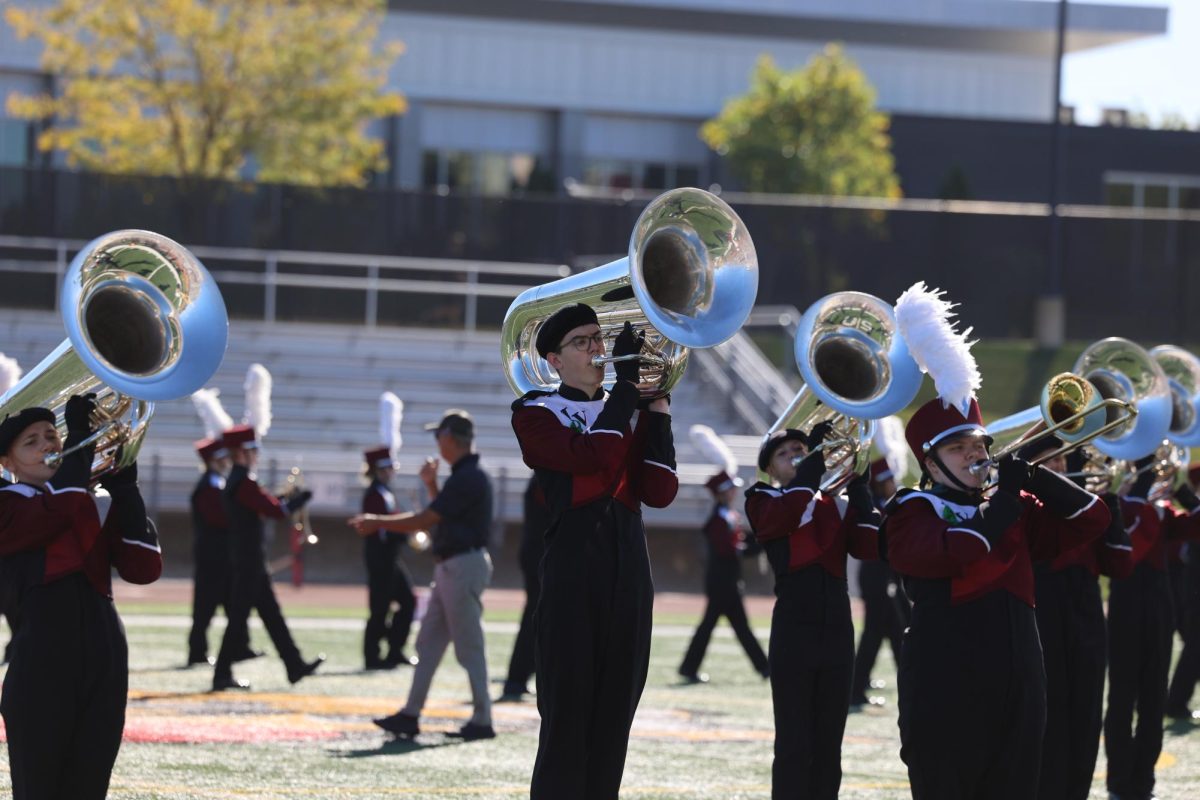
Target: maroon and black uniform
[[725, 546], [594, 615], [533, 538], [388, 582], [885, 616], [972, 684], [247, 504], [1187, 669], [213, 570], [1141, 627], [806, 536], [64, 694], [1070, 618]]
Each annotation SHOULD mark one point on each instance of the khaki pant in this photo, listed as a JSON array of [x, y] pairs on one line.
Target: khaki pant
[[455, 614]]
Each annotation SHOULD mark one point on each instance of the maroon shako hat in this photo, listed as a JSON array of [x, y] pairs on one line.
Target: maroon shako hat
[[208, 449], [722, 481], [240, 436], [379, 458], [936, 422], [880, 471]]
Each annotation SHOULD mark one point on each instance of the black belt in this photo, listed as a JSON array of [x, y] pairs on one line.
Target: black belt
[[440, 557]]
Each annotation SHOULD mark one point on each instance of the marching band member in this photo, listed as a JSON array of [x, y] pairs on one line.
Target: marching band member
[[725, 544], [806, 536], [461, 510], [533, 532], [971, 680], [388, 580], [247, 504], [1070, 618], [65, 691], [1141, 629], [1187, 669], [594, 616], [885, 608]]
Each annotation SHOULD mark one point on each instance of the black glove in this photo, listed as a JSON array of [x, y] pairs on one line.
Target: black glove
[[120, 480], [1115, 534], [1075, 464], [297, 500], [809, 472], [628, 343], [994, 517], [858, 495], [1187, 498], [78, 416], [1145, 480], [1012, 474], [817, 435], [644, 403]]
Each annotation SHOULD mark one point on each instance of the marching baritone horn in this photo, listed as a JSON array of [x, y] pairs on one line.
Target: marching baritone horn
[[689, 280], [145, 322], [856, 369]]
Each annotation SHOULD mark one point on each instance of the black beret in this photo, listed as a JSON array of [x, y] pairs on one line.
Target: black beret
[[775, 440], [1034, 449], [13, 424], [560, 323]]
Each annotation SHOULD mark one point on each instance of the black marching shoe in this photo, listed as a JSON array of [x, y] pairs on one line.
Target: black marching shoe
[[400, 724], [513, 694], [223, 682], [305, 668], [1183, 714], [693, 678], [197, 658], [473, 732], [399, 660]]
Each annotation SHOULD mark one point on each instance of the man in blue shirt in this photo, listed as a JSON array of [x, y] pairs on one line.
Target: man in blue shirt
[[461, 509]]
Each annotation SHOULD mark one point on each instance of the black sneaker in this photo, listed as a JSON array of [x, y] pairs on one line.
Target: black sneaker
[[400, 724], [304, 669], [401, 660], [196, 658], [473, 732], [693, 678], [224, 682]]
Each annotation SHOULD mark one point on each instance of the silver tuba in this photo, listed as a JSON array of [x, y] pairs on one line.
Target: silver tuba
[[1122, 370], [690, 281], [145, 322], [1183, 377], [856, 369]]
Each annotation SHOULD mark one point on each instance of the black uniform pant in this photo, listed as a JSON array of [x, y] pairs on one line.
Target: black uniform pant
[[211, 586], [521, 663], [1140, 630], [723, 592], [972, 699], [388, 583], [1070, 620], [1187, 670], [811, 658], [64, 694], [593, 650], [885, 617], [252, 590]]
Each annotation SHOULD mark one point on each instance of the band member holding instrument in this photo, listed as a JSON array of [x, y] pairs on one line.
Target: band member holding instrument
[[971, 679], [1070, 617], [594, 616], [537, 520], [806, 537], [388, 581], [725, 547], [65, 690], [1187, 669], [247, 504], [885, 608], [461, 510], [1141, 628]]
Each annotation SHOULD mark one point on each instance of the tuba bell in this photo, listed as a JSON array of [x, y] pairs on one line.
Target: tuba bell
[[1122, 370], [145, 322], [1182, 370], [689, 280], [856, 369]]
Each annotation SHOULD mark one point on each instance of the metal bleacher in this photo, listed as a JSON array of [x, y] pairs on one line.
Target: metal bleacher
[[327, 381]]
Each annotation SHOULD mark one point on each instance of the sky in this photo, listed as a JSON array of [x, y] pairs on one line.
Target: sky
[[1156, 76]]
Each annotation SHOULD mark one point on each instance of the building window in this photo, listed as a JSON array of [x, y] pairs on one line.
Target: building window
[[1148, 190], [14, 143], [639, 175], [487, 173]]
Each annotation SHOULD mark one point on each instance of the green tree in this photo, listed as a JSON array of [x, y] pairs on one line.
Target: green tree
[[198, 89], [814, 130]]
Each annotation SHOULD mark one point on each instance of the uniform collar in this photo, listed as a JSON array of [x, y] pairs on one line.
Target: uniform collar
[[956, 495], [571, 393]]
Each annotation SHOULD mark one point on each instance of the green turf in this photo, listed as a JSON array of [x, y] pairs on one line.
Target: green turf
[[710, 741]]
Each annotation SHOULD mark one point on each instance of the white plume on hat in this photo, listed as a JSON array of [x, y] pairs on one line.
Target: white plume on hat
[[258, 400], [10, 373], [391, 412], [890, 441], [925, 322], [212, 413], [714, 449]]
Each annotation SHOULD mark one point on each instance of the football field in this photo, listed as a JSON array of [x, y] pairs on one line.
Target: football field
[[316, 739]]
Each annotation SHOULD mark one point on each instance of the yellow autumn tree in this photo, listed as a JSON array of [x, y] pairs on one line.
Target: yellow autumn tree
[[199, 89]]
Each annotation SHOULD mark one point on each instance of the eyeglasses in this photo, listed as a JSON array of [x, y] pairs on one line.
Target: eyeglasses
[[582, 343]]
